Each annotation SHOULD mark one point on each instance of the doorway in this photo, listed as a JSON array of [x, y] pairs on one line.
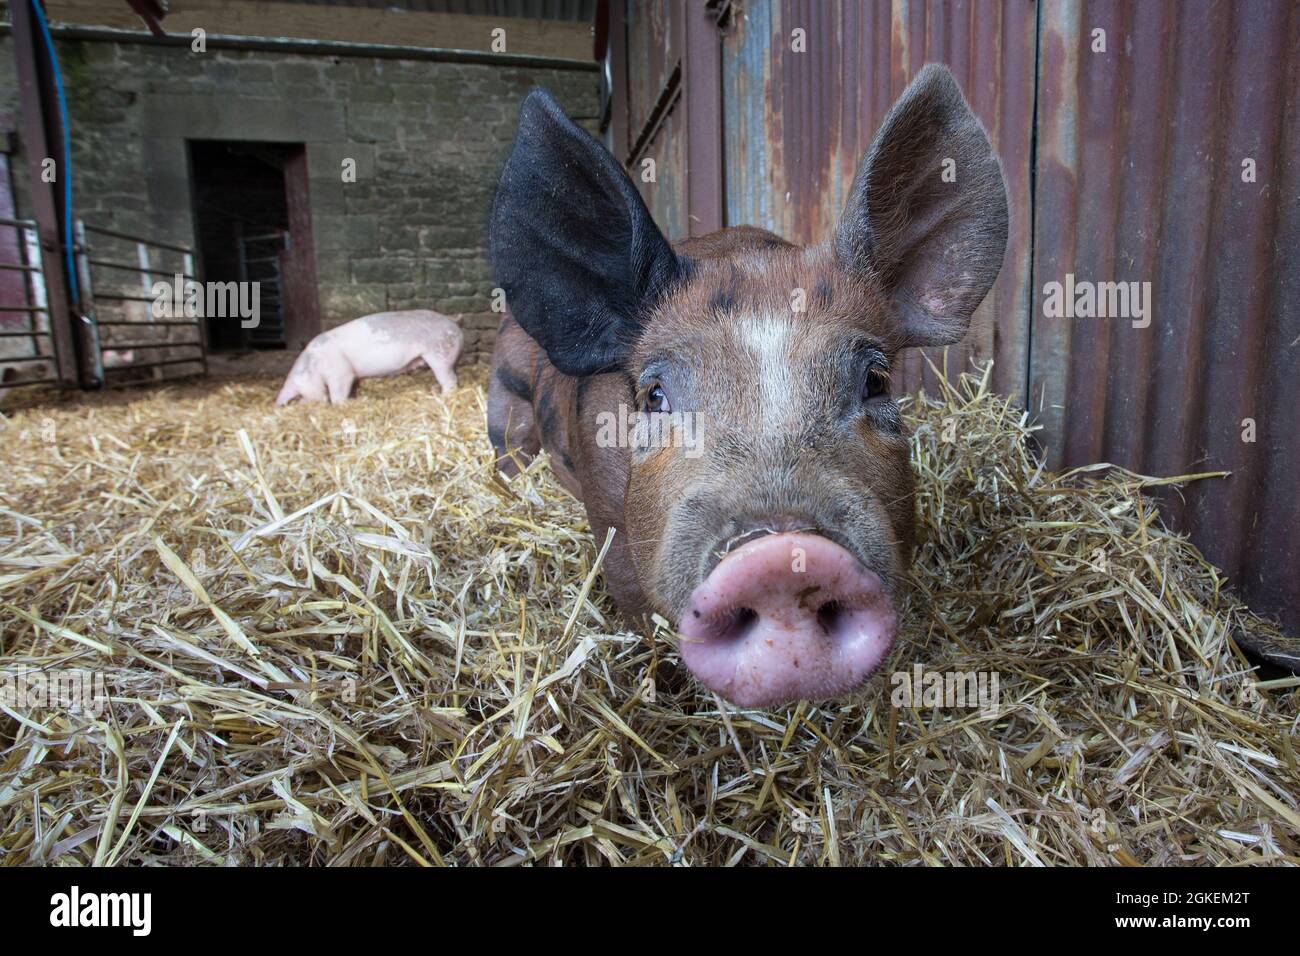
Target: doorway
[[253, 224]]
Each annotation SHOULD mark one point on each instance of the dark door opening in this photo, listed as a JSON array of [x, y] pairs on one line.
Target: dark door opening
[[253, 224]]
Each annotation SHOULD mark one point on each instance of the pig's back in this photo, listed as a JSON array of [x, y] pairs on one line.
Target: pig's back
[[422, 327], [391, 343]]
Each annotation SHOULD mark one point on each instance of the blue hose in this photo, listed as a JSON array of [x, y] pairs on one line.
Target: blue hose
[[66, 172]]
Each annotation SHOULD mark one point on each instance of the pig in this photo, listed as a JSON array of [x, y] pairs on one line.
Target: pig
[[124, 361], [373, 346], [779, 540], [118, 358]]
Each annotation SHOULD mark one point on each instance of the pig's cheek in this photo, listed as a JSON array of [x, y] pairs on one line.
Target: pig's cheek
[[904, 507], [896, 493], [903, 516], [646, 508], [892, 482]]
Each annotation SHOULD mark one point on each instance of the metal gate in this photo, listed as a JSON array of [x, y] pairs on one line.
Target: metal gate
[[28, 353], [260, 261], [140, 297]]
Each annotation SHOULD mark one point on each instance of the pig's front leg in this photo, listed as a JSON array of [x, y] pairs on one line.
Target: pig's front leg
[[339, 382], [442, 370]]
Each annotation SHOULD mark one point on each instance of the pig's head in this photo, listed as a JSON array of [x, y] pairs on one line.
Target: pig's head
[[773, 518]]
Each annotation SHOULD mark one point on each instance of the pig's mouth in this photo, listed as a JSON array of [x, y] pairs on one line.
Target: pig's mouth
[[785, 617]]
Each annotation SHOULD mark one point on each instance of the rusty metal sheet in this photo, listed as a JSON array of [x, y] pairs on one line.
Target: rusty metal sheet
[[649, 53], [654, 52], [798, 124], [667, 195], [580, 10], [1140, 179], [702, 100]]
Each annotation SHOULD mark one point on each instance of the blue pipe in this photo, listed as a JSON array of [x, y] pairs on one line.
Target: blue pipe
[[66, 172]]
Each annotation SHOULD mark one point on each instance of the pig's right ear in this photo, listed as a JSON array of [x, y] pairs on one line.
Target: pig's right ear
[[927, 215], [573, 245]]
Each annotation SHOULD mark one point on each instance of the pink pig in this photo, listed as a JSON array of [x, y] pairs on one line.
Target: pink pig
[[373, 346]]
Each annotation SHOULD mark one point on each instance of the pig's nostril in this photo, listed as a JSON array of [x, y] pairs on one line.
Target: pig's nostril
[[733, 625], [742, 622], [831, 617]]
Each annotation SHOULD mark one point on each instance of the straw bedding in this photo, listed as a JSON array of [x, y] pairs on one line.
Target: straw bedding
[[332, 636]]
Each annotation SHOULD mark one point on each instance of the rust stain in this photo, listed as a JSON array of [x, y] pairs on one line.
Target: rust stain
[[1140, 180]]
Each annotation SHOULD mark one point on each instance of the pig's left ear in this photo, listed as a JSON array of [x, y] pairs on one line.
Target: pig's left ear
[[572, 243], [927, 216]]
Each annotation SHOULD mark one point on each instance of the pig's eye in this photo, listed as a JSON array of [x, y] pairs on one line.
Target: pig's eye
[[876, 384], [656, 400]]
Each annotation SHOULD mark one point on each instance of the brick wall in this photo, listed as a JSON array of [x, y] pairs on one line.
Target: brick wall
[[428, 139]]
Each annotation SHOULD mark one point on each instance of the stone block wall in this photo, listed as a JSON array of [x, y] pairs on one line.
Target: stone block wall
[[427, 139]]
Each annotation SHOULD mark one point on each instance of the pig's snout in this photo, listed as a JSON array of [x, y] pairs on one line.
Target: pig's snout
[[787, 617]]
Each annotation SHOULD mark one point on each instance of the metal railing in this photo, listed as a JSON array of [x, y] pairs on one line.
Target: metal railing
[[118, 288], [259, 261], [28, 353]]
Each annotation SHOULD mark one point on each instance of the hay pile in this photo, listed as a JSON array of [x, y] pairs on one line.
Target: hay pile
[[333, 636]]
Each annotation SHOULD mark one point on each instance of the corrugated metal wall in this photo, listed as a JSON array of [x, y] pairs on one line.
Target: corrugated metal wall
[[798, 124], [1123, 165], [1140, 179], [650, 48], [580, 10]]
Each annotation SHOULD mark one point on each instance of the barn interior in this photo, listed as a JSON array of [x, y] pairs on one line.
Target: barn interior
[[242, 224]]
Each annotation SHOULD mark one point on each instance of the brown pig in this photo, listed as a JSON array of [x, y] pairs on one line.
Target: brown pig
[[373, 346], [724, 403]]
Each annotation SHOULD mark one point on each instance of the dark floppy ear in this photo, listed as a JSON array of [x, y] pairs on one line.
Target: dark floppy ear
[[572, 244], [934, 241]]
